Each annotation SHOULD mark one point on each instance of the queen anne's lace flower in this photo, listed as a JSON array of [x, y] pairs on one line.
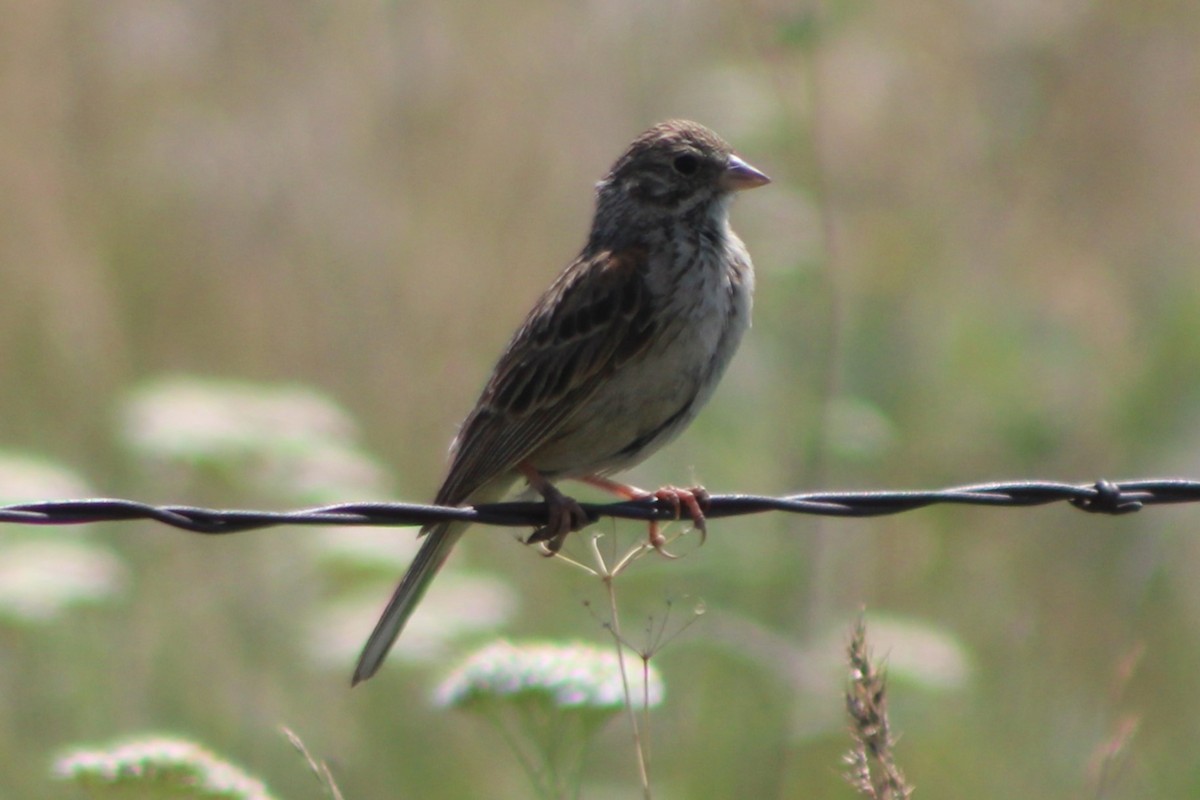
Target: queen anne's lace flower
[[161, 760], [568, 675]]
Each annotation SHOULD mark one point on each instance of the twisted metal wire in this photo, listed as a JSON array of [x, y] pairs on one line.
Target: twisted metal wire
[[1101, 497]]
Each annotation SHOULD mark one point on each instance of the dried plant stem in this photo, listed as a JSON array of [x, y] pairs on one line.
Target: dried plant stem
[[1112, 757], [319, 768], [872, 767], [608, 576]]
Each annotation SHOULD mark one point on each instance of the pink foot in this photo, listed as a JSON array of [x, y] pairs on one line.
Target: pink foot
[[692, 500]]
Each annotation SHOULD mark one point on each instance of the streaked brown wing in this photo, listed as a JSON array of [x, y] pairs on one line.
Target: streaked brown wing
[[590, 321]]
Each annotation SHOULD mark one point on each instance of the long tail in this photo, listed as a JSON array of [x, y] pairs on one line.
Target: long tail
[[433, 553]]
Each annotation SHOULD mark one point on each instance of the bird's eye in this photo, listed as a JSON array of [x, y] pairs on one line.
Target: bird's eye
[[686, 164]]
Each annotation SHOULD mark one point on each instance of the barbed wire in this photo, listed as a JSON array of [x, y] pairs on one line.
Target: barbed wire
[[1101, 497]]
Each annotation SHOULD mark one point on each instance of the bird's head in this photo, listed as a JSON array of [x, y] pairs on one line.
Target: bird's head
[[672, 169]]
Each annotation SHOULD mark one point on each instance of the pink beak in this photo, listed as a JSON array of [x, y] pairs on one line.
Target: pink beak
[[739, 175]]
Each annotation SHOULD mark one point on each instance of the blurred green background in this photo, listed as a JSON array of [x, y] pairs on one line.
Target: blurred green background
[[978, 261]]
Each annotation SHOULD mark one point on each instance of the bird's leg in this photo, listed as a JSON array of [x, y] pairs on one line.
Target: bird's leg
[[693, 500], [563, 514]]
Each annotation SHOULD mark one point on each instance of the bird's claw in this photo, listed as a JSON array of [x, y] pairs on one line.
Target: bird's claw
[[564, 516], [693, 500]]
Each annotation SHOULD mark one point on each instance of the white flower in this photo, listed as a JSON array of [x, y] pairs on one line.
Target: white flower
[[164, 761], [568, 675], [39, 580], [279, 437]]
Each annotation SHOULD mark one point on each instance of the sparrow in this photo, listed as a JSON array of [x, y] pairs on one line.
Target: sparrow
[[614, 360]]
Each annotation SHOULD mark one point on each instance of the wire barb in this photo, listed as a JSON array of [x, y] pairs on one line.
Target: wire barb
[[1101, 497], [1109, 499]]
